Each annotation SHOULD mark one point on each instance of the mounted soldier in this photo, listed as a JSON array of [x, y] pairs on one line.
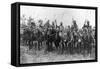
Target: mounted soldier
[[61, 30], [88, 38], [74, 37], [61, 27], [53, 25], [74, 26], [40, 25]]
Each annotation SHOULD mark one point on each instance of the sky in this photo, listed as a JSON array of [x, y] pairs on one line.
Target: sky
[[64, 15]]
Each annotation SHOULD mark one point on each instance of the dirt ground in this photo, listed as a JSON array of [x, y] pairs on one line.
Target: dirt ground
[[34, 56]]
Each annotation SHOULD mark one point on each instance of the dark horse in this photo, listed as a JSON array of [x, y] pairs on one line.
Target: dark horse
[[88, 42], [40, 38], [72, 43], [53, 38], [28, 38]]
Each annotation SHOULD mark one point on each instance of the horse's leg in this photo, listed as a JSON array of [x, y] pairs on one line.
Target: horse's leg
[[68, 50], [62, 45], [75, 47], [71, 47], [67, 46], [84, 49], [89, 48], [30, 44], [50, 46], [55, 43], [78, 47], [39, 44], [65, 43], [47, 44], [34, 44], [81, 48], [58, 46]]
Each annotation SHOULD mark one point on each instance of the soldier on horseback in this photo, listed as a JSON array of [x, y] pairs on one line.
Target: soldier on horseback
[[74, 37], [61, 27]]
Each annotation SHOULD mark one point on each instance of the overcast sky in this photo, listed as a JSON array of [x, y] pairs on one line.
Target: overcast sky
[[60, 14]]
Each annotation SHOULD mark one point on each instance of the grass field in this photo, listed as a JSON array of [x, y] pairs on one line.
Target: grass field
[[34, 56]]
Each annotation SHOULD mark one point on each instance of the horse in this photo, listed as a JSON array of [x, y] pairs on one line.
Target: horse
[[30, 38], [50, 34], [72, 42], [88, 42], [54, 40], [58, 41], [40, 38], [26, 36], [67, 41]]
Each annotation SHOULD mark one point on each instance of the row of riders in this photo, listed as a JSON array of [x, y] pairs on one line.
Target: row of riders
[[58, 38]]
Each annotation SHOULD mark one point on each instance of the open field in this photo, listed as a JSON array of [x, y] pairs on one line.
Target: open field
[[34, 56]]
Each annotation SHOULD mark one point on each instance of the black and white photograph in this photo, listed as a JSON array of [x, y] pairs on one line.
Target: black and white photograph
[[56, 34]]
